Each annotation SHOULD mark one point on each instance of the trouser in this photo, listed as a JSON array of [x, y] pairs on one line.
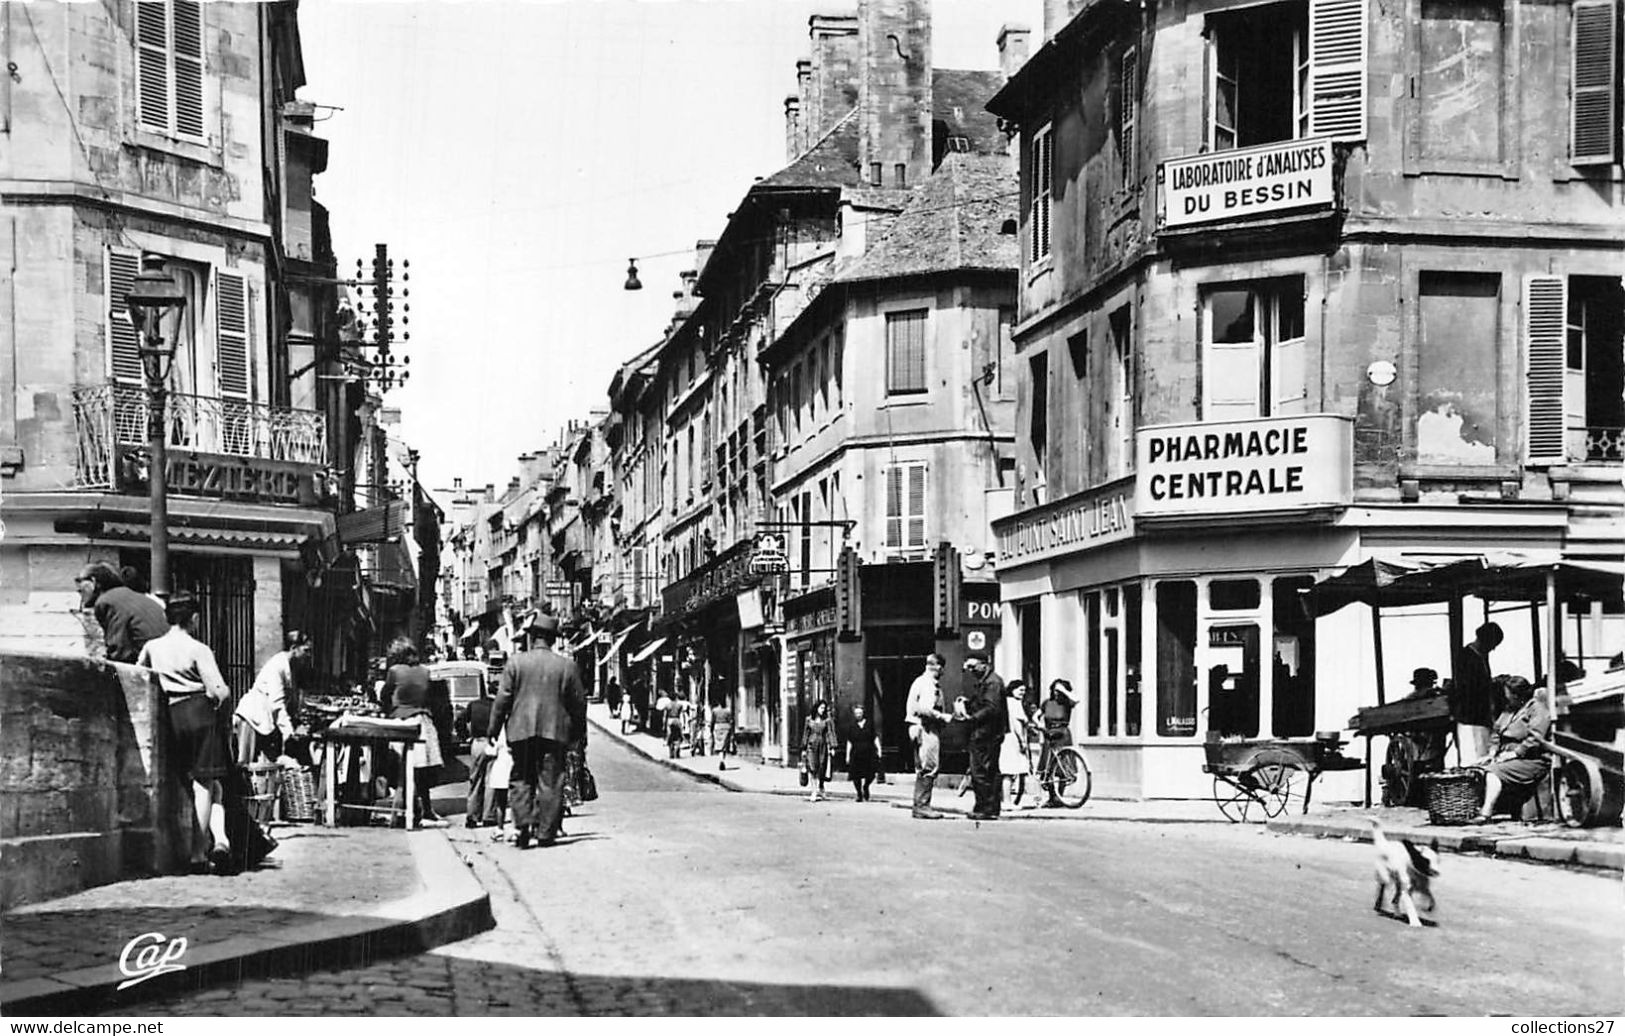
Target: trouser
[[927, 760], [477, 779], [984, 776], [1472, 743], [536, 788]]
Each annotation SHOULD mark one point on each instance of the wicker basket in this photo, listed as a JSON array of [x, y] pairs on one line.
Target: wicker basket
[[299, 795], [1453, 796], [265, 781]]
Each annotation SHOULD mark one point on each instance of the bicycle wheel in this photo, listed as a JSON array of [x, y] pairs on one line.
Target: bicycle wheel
[[1070, 779]]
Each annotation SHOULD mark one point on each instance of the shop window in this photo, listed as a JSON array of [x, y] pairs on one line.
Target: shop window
[[1292, 693], [1232, 679], [1574, 373], [1594, 82], [905, 352], [1456, 363], [1228, 595], [1461, 85], [1176, 658], [1131, 661], [1258, 61], [1111, 643], [1253, 356], [1091, 608]]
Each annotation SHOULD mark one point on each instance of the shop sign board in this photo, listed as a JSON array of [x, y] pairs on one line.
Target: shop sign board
[[1238, 467], [220, 477], [1244, 182], [1080, 522]]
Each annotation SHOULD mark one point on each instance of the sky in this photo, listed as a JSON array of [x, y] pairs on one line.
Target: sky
[[518, 154]]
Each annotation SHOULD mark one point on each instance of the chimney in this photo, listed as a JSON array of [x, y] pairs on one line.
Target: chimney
[[1057, 15], [490, 493], [457, 485], [1013, 43], [807, 112], [894, 142], [792, 128], [834, 75]]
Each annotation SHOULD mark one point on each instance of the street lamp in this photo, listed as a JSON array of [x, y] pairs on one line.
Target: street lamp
[[155, 303]]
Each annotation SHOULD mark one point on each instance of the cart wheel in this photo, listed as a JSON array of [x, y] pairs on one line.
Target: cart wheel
[[1233, 799], [1399, 771], [1585, 796], [1282, 784]]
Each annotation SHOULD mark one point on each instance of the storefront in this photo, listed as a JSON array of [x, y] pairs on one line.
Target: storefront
[[1172, 599]]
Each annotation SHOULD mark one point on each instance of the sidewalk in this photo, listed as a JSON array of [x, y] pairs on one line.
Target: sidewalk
[[1541, 843], [327, 898]]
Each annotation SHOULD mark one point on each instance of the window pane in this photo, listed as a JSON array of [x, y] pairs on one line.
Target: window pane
[[1232, 680], [1176, 658], [1091, 606], [1293, 709], [1233, 594], [1231, 315], [1131, 660]]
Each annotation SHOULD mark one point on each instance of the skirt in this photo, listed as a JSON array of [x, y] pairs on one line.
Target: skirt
[[427, 751], [496, 778], [201, 743], [1012, 760]]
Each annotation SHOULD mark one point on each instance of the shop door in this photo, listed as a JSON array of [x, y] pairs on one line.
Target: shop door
[[895, 657], [224, 588]]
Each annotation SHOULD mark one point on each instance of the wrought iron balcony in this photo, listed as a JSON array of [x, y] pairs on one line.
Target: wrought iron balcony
[[1598, 445], [109, 416]]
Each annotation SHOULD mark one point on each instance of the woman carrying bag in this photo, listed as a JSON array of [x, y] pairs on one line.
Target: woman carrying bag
[[818, 749]]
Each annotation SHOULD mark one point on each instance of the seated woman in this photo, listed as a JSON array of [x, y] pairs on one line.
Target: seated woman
[[1518, 759]]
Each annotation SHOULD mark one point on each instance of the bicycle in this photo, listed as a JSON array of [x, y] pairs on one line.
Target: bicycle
[[1064, 773]]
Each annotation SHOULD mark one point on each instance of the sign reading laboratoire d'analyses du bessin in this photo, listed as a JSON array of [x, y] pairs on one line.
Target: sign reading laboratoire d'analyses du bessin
[[1242, 183], [1235, 467]]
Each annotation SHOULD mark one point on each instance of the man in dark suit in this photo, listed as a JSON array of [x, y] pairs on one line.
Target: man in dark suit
[[983, 707], [543, 705]]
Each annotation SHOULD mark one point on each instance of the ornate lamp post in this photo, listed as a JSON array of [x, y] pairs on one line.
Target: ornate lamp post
[[155, 303]]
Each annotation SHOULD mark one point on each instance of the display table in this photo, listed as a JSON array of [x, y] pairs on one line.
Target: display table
[[369, 736]]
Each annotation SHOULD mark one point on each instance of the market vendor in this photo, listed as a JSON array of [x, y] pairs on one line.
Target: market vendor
[[1424, 684], [1519, 758], [1472, 694]]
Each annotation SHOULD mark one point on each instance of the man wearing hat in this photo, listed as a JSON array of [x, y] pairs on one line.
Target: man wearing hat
[[985, 711], [543, 705], [1424, 683]]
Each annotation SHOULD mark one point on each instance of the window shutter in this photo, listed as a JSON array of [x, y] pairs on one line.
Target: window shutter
[[916, 505], [123, 343], [231, 338], [1129, 70], [152, 63], [1593, 83], [1048, 174], [1337, 68], [188, 49], [894, 507], [1545, 316]]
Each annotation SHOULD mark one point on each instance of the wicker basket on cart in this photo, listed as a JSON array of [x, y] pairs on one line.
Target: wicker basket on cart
[[299, 800], [265, 785], [1453, 796]]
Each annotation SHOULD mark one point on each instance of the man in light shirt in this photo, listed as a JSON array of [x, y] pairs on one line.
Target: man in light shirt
[[190, 678], [925, 722]]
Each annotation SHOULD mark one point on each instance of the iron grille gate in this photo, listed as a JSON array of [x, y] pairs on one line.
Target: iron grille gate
[[224, 588]]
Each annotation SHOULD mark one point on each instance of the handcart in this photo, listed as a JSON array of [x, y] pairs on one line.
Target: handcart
[[1264, 778]]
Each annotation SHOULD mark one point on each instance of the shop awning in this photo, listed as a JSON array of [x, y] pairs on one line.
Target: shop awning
[[615, 648], [649, 649]]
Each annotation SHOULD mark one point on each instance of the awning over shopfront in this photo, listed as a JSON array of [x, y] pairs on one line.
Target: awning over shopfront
[[615, 648], [649, 649], [1499, 578]]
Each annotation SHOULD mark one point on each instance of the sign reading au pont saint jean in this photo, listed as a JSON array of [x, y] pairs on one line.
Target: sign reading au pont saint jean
[[1241, 183], [1232, 467], [1080, 522]]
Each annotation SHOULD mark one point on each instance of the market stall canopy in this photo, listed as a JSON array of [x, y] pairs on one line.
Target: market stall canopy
[[648, 649], [1506, 578]]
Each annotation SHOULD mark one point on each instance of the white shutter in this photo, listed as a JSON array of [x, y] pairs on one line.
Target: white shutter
[[123, 343], [1593, 84], [1043, 162], [152, 63], [1129, 102], [894, 508], [1545, 322], [188, 51], [1338, 31], [916, 505]]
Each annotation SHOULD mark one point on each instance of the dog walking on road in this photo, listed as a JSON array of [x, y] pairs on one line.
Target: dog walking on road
[[1406, 869]]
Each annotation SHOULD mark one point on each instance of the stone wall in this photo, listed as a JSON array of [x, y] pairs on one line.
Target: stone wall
[[84, 793]]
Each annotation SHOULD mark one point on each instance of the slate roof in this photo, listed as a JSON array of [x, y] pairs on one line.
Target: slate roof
[[953, 222], [959, 101], [831, 162]]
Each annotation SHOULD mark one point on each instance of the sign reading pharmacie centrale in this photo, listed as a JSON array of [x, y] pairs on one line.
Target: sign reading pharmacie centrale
[[1236, 467], [1239, 184], [1079, 522]]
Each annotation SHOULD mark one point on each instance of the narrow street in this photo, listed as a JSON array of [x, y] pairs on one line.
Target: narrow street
[[676, 897]]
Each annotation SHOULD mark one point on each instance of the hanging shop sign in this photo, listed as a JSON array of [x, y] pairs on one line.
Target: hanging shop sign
[[1245, 182], [768, 554], [1236, 467], [220, 477], [1079, 522]]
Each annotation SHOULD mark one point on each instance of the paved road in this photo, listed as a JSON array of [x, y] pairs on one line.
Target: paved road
[[671, 896]]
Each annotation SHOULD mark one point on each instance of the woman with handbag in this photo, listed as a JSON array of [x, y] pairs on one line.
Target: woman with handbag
[[818, 748]]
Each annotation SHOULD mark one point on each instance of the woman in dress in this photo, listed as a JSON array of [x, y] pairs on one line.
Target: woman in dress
[[496, 782], [818, 748], [862, 753], [1013, 762], [406, 685], [1519, 758]]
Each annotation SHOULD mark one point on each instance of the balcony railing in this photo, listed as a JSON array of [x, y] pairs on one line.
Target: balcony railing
[[1598, 444], [109, 416]]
